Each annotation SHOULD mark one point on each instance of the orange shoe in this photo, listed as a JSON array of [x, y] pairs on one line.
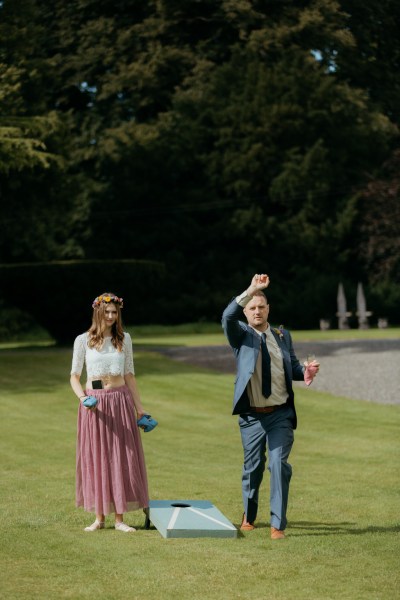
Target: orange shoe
[[246, 526], [277, 534]]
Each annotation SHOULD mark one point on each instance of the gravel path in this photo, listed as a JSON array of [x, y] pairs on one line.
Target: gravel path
[[360, 369]]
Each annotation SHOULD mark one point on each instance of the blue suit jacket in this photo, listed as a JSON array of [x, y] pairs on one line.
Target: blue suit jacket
[[245, 343]]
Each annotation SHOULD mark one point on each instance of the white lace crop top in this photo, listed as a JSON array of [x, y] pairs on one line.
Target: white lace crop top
[[106, 361]]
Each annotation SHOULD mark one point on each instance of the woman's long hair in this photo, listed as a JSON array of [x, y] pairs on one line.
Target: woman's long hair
[[96, 331]]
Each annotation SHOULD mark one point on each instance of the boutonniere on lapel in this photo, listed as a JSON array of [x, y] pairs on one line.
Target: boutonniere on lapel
[[279, 331]]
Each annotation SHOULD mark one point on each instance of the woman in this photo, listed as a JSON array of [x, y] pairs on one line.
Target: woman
[[110, 468]]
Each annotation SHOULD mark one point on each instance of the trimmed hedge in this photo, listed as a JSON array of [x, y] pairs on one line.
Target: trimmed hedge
[[59, 294]]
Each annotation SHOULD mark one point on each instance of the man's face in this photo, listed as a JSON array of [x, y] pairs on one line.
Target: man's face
[[257, 311]]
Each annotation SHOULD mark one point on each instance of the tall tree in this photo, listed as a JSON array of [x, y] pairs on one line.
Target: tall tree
[[380, 219], [43, 210], [373, 61], [235, 132]]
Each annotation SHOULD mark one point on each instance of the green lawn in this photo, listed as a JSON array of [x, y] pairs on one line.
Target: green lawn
[[208, 334], [343, 536]]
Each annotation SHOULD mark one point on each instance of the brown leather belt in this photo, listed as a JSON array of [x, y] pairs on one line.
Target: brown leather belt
[[266, 409]]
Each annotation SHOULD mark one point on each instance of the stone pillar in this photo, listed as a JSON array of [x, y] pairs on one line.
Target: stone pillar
[[342, 313]]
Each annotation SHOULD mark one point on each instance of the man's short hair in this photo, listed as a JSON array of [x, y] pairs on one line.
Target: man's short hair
[[260, 293]]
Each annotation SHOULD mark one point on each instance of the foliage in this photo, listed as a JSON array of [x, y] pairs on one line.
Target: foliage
[[378, 207], [22, 137], [223, 137], [372, 63], [380, 218], [19, 325], [59, 294], [44, 203]]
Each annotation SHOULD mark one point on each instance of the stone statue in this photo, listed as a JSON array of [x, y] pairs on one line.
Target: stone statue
[[362, 312], [342, 312]]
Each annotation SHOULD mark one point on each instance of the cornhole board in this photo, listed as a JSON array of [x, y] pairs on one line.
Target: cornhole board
[[189, 519]]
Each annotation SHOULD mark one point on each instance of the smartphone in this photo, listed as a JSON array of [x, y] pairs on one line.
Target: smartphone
[[97, 384]]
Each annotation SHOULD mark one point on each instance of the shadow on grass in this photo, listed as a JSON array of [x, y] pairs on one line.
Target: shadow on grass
[[312, 528]]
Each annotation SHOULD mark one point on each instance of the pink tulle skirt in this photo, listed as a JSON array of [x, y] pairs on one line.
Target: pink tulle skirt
[[110, 468]]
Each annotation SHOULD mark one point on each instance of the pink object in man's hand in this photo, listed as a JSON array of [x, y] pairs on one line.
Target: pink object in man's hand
[[310, 372]]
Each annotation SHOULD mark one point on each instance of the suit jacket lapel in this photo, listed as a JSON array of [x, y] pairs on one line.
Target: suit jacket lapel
[[280, 341], [277, 337]]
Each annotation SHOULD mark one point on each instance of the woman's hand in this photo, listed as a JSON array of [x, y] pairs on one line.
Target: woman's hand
[[82, 400]]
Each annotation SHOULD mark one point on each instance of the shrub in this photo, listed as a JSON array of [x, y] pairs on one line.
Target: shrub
[[59, 295]]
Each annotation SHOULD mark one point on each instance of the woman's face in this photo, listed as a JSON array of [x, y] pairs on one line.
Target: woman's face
[[110, 314]]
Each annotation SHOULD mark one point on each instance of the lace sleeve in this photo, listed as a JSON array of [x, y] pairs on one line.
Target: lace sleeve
[[78, 357], [128, 367]]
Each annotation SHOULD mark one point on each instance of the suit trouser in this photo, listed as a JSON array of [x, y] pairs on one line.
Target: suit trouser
[[259, 431]]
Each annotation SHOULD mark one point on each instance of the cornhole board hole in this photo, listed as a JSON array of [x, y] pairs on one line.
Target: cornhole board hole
[[189, 519]]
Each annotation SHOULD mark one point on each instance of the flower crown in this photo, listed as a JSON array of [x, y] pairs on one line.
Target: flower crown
[[106, 299]]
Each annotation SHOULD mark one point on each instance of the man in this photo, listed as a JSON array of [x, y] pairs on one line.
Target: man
[[264, 400]]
